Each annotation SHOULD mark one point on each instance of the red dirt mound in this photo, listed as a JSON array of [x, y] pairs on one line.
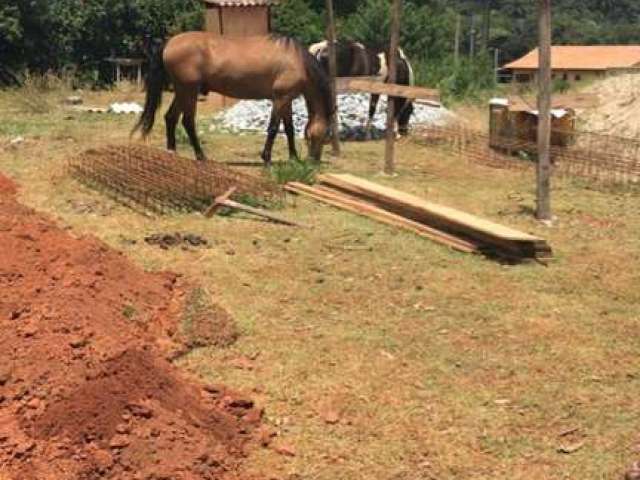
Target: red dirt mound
[[86, 391]]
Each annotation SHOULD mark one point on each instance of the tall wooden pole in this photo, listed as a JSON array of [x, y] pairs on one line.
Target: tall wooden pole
[[390, 150], [543, 209], [456, 45], [331, 37]]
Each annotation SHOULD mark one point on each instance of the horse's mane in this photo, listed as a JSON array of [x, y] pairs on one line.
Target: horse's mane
[[314, 70]]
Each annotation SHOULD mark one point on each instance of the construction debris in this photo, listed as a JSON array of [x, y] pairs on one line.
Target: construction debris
[[454, 228], [155, 180], [250, 116]]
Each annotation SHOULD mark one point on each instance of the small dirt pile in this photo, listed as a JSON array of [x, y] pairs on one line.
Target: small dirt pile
[[86, 391], [618, 112]]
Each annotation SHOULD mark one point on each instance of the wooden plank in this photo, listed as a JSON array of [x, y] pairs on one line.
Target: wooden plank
[[393, 90], [440, 217], [352, 205], [343, 83]]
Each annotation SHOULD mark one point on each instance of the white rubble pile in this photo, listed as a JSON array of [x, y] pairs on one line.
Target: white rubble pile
[[125, 108], [250, 116]]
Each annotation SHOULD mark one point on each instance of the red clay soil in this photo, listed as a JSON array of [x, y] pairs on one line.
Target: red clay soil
[[86, 391]]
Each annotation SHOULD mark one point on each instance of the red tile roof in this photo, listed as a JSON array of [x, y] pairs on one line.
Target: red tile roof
[[578, 57]]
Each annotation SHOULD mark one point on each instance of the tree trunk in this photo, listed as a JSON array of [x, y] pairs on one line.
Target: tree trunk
[[456, 44]]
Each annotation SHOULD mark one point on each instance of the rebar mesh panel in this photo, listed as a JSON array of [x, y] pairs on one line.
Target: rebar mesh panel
[[160, 181]]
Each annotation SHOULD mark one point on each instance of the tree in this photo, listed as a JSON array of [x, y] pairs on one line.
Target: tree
[[296, 18]]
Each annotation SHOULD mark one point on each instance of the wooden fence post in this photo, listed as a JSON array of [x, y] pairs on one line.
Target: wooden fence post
[[389, 157], [543, 208], [331, 37]]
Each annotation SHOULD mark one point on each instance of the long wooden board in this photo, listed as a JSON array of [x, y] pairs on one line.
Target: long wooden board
[[492, 235], [336, 199], [343, 84], [376, 86]]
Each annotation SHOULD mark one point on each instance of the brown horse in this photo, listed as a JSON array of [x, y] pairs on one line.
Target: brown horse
[[265, 67]]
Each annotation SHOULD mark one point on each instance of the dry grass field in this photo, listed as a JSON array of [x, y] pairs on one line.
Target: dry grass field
[[378, 354]]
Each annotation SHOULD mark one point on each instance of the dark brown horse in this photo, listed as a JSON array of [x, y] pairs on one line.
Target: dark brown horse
[[265, 67], [353, 59]]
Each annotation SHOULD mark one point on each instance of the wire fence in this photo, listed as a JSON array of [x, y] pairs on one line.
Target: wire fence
[[597, 158]]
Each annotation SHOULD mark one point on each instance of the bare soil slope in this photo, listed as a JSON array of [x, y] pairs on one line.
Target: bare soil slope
[[85, 388], [618, 110]]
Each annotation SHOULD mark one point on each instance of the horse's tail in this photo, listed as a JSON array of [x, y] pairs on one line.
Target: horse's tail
[[155, 83], [319, 79]]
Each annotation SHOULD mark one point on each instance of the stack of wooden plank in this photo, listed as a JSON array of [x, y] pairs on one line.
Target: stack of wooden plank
[[454, 228]]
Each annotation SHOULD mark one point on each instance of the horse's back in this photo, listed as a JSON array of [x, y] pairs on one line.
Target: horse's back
[[242, 67]]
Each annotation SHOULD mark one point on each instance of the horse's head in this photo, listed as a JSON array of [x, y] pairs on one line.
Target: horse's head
[[316, 134]]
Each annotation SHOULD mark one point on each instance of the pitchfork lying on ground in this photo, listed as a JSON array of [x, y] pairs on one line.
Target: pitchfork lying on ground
[[224, 201]]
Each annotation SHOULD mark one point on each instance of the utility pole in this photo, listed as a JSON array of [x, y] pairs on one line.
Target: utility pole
[[389, 157], [456, 45], [543, 210], [331, 37]]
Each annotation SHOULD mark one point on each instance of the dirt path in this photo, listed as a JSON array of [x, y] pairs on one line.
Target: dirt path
[[85, 388]]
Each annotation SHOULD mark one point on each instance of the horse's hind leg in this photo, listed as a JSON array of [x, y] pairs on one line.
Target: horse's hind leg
[[290, 131], [188, 100], [281, 107], [373, 106], [272, 131], [171, 121]]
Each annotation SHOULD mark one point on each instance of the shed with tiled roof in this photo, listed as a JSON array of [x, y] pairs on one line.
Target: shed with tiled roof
[[579, 62], [238, 17]]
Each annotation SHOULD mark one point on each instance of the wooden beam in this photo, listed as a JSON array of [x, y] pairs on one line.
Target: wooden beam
[[377, 86], [338, 200], [454, 222], [543, 207], [333, 73]]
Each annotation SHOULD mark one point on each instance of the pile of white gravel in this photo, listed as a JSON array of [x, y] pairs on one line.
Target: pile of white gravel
[[250, 116]]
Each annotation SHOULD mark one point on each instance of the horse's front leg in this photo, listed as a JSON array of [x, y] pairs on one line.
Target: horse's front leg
[[373, 106], [404, 110]]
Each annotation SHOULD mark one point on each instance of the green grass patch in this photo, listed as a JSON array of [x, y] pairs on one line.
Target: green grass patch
[[294, 170]]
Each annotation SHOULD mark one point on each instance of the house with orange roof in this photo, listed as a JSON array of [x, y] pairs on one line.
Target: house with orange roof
[[575, 63]]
